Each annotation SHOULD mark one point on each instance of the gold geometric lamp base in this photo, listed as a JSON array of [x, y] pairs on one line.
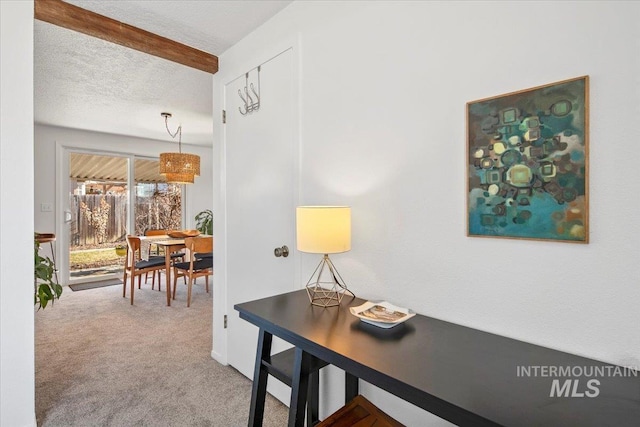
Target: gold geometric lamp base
[[326, 292]]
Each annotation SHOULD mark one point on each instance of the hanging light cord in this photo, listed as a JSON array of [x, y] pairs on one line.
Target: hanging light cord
[[173, 135]]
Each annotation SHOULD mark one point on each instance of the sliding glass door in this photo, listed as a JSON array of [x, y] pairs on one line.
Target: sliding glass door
[[98, 215]]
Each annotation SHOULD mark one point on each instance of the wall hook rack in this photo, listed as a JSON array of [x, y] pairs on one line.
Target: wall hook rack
[[250, 104]]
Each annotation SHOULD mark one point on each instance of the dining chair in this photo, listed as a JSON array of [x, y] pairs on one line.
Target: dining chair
[[200, 255], [174, 256], [134, 265], [195, 267]]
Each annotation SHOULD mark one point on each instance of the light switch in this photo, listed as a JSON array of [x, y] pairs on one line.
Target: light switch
[[46, 207]]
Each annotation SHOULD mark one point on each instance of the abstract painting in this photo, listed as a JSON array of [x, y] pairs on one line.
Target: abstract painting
[[528, 163]]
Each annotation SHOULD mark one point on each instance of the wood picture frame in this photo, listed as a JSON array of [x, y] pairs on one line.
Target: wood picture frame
[[528, 163]]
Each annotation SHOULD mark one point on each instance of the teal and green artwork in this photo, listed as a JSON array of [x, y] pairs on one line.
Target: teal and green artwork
[[528, 163]]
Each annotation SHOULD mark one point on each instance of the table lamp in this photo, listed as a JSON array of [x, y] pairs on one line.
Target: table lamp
[[324, 230]]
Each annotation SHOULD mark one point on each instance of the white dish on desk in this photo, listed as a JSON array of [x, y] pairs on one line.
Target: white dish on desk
[[382, 314]]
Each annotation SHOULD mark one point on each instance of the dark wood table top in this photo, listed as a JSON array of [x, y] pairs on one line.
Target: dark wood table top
[[464, 375]]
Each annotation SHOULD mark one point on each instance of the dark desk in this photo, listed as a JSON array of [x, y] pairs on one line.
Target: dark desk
[[466, 376]]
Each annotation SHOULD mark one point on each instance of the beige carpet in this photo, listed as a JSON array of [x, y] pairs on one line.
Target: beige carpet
[[102, 362]]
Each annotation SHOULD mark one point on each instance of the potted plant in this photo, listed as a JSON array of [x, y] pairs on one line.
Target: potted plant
[[204, 222], [45, 288], [121, 250]]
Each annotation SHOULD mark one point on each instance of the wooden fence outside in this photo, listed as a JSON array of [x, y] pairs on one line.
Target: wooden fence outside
[[151, 212]]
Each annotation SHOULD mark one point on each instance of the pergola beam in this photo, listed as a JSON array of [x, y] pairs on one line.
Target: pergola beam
[[69, 16]]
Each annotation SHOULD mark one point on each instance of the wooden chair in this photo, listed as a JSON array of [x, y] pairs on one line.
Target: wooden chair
[[174, 256], [195, 267], [135, 266]]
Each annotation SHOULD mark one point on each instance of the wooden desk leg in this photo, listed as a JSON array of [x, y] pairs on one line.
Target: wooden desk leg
[[259, 388], [299, 388], [167, 266], [350, 387]]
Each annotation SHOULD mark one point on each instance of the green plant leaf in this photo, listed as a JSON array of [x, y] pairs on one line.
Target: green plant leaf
[[204, 222], [46, 289]]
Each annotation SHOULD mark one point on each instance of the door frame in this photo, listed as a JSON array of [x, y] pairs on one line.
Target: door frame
[[219, 351]]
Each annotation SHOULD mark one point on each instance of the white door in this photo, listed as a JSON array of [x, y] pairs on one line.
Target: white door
[[261, 185]]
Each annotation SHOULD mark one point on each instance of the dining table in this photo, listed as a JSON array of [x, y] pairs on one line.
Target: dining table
[[170, 245]]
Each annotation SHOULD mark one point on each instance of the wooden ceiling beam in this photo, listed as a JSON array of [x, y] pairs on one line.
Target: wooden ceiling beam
[[69, 16]]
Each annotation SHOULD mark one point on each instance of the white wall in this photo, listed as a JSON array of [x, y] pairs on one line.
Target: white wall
[[198, 196], [384, 87], [17, 399]]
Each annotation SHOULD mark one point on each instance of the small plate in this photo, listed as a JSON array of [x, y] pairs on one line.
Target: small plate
[[382, 314]]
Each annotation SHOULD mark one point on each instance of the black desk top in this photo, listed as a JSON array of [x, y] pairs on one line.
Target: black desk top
[[464, 375]]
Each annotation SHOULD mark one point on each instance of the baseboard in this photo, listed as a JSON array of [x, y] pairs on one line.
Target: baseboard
[[219, 358]]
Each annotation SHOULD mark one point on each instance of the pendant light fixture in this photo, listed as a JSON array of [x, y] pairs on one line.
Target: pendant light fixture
[[179, 178], [178, 168]]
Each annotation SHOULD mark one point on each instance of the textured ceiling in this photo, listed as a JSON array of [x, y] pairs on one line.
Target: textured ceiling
[[86, 83]]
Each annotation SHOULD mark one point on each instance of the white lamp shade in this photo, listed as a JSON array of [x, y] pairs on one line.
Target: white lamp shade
[[323, 229]]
